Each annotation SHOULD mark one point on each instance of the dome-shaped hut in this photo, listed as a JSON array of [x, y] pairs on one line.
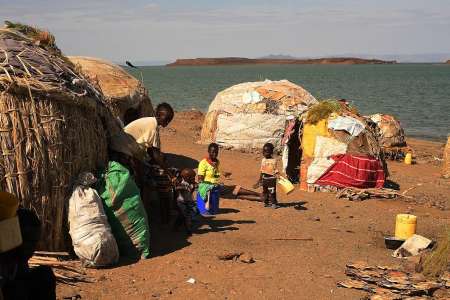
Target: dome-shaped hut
[[339, 149], [54, 125], [125, 95], [391, 136], [247, 115]]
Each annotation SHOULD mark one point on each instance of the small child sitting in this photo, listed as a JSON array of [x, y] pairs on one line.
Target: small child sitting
[[186, 207], [268, 177]]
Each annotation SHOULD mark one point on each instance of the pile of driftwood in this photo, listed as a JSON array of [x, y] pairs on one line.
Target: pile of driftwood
[[355, 194], [385, 282], [66, 271]]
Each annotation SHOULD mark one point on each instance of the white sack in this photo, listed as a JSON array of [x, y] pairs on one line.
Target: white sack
[[412, 246], [285, 158], [91, 234]]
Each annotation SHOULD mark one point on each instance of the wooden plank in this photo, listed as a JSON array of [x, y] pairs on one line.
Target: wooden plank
[[48, 253]]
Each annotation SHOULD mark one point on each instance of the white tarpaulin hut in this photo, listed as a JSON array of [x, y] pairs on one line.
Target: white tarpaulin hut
[[247, 115]]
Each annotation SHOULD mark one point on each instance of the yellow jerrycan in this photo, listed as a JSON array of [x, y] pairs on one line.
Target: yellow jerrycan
[[285, 184], [405, 226], [408, 158], [8, 205]]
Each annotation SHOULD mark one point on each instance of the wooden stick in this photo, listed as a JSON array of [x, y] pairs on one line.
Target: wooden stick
[[294, 239], [60, 280], [65, 268], [46, 258], [409, 189], [61, 276], [35, 261], [48, 253], [71, 269], [250, 198]]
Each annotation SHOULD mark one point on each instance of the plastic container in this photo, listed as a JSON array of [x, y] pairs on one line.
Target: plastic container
[[10, 236], [285, 185], [405, 226], [393, 243], [303, 174], [408, 158], [8, 205], [213, 205]]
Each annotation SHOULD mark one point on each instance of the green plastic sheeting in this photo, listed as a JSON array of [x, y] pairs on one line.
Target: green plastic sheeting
[[125, 211]]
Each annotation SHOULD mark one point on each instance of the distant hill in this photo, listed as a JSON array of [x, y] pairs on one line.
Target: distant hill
[[257, 61], [400, 58], [405, 58], [278, 56]]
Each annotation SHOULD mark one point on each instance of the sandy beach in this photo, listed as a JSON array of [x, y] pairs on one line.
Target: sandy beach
[[300, 250]]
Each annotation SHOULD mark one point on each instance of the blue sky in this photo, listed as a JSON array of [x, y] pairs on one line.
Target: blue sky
[[164, 30]]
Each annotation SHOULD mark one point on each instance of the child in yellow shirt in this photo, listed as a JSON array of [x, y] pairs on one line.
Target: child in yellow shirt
[[209, 179]]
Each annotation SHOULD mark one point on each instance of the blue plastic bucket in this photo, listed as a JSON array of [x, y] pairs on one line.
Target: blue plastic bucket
[[213, 205]]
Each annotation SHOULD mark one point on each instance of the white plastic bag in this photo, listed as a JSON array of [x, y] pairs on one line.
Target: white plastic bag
[[285, 157], [91, 234]]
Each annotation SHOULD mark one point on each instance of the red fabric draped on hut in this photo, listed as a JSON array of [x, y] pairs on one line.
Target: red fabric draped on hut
[[354, 171]]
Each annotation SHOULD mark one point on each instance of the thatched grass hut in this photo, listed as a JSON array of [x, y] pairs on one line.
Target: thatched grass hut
[[53, 125], [125, 95]]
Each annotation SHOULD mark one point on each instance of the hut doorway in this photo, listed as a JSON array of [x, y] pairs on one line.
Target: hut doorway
[[292, 144]]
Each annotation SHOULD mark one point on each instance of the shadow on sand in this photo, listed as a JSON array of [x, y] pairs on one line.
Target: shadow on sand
[[228, 211], [220, 225], [299, 205], [164, 240], [180, 161]]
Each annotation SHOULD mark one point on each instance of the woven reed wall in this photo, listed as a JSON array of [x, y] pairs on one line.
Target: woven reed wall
[[44, 145]]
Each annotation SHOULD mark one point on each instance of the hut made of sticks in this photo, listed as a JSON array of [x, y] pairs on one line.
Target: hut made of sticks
[[53, 125], [125, 95]]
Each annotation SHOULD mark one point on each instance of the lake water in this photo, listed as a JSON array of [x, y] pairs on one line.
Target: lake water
[[418, 94]]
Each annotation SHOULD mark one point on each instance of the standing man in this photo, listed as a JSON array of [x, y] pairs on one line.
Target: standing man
[[145, 131]]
